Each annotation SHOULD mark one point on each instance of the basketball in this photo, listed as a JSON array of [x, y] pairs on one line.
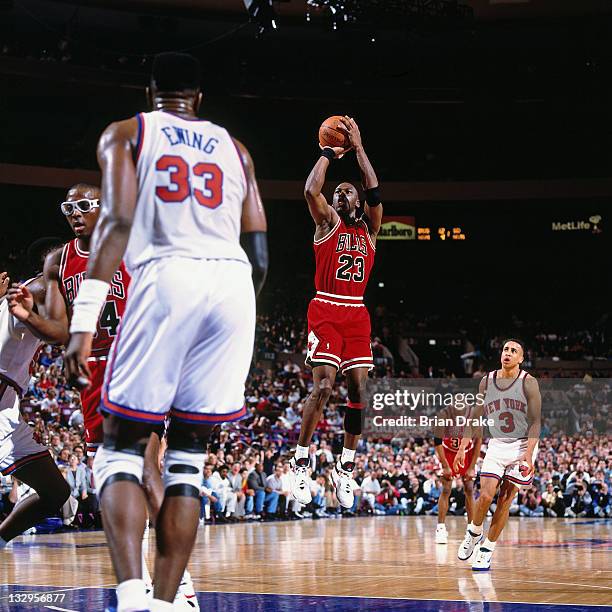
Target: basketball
[[330, 135]]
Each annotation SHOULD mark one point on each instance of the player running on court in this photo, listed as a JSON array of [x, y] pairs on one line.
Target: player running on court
[[178, 197], [338, 322], [513, 402], [447, 442]]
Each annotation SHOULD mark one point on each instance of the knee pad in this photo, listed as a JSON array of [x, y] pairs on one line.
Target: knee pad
[[111, 466], [183, 473], [352, 420]]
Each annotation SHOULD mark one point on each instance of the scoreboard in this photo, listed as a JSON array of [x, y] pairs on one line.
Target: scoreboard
[[406, 228]]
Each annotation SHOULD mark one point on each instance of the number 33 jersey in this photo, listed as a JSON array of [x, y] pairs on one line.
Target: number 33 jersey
[[73, 268], [191, 187], [344, 260]]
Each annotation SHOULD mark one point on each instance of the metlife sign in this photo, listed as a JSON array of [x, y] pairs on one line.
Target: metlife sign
[[593, 225]]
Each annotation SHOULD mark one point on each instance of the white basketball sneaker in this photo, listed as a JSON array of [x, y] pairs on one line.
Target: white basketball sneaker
[[482, 560], [300, 488], [186, 598], [441, 534], [467, 546], [342, 479]]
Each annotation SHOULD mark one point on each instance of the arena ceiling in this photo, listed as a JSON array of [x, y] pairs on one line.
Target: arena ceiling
[[483, 9]]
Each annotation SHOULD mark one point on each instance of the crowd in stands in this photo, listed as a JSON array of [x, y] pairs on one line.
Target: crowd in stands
[[247, 471]]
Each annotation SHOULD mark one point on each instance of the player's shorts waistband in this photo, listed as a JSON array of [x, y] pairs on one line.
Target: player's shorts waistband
[[338, 300]]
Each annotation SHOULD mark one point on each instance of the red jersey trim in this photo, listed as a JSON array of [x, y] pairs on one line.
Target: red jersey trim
[[78, 251], [62, 268], [140, 135], [325, 238]]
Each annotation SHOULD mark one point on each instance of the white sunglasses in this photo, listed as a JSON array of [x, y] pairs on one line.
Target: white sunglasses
[[85, 205]]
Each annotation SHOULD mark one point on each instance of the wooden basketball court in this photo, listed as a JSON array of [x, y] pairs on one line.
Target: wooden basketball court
[[377, 563]]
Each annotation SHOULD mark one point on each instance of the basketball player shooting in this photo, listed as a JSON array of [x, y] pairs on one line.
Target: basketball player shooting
[[180, 200], [338, 322], [513, 402]]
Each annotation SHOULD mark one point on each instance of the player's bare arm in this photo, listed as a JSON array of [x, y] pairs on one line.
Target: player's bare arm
[[109, 240], [534, 418], [471, 432], [324, 216], [5, 282], [47, 320], [369, 181], [439, 448], [253, 224]]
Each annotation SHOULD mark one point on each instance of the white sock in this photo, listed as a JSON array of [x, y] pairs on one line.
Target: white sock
[[347, 455], [159, 605], [488, 545], [475, 529], [3, 543], [301, 452], [186, 576], [440, 527], [146, 576], [132, 595]]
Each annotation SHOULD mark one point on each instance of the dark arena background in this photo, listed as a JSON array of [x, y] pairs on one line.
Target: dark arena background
[[489, 125]]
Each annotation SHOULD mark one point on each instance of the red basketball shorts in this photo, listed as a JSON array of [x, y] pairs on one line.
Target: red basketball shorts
[[90, 400], [339, 336], [450, 457]]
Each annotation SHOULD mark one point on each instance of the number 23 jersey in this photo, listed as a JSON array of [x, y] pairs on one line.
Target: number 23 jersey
[[73, 268], [344, 260]]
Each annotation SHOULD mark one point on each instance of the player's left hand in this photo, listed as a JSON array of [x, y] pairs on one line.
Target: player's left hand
[[4, 283], [351, 129], [529, 461], [75, 359]]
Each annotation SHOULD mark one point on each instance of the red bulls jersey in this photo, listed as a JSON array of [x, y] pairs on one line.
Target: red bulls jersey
[[73, 266], [454, 434], [344, 260]]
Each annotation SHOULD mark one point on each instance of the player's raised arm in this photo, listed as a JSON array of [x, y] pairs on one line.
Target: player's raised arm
[[321, 212], [253, 225], [534, 417], [369, 181], [48, 321], [109, 240]]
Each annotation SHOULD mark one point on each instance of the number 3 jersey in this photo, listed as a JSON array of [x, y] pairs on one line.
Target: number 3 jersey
[[344, 260], [73, 268], [191, 187]]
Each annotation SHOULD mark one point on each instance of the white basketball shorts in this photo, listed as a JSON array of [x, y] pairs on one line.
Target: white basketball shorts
[[17, 444], [502, 461], [185, 343]]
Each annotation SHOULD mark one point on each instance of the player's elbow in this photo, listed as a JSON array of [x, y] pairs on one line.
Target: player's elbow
[[311, 192], [116, 224]]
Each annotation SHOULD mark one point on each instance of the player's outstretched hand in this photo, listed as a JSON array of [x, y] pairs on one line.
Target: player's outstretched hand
[[20, 301], [338, 151], [75, 360], [351, 129], [4, 283]]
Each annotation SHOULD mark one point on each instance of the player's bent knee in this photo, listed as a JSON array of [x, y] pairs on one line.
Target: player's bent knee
[[323, 390], [183, 473], [113, 466], [352, 421]]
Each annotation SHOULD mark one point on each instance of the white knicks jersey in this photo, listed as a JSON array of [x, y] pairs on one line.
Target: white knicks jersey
[[18, 345], [506, 404], [191, 186]]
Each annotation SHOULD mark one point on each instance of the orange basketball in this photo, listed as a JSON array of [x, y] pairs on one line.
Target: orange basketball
[[330, 135]]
